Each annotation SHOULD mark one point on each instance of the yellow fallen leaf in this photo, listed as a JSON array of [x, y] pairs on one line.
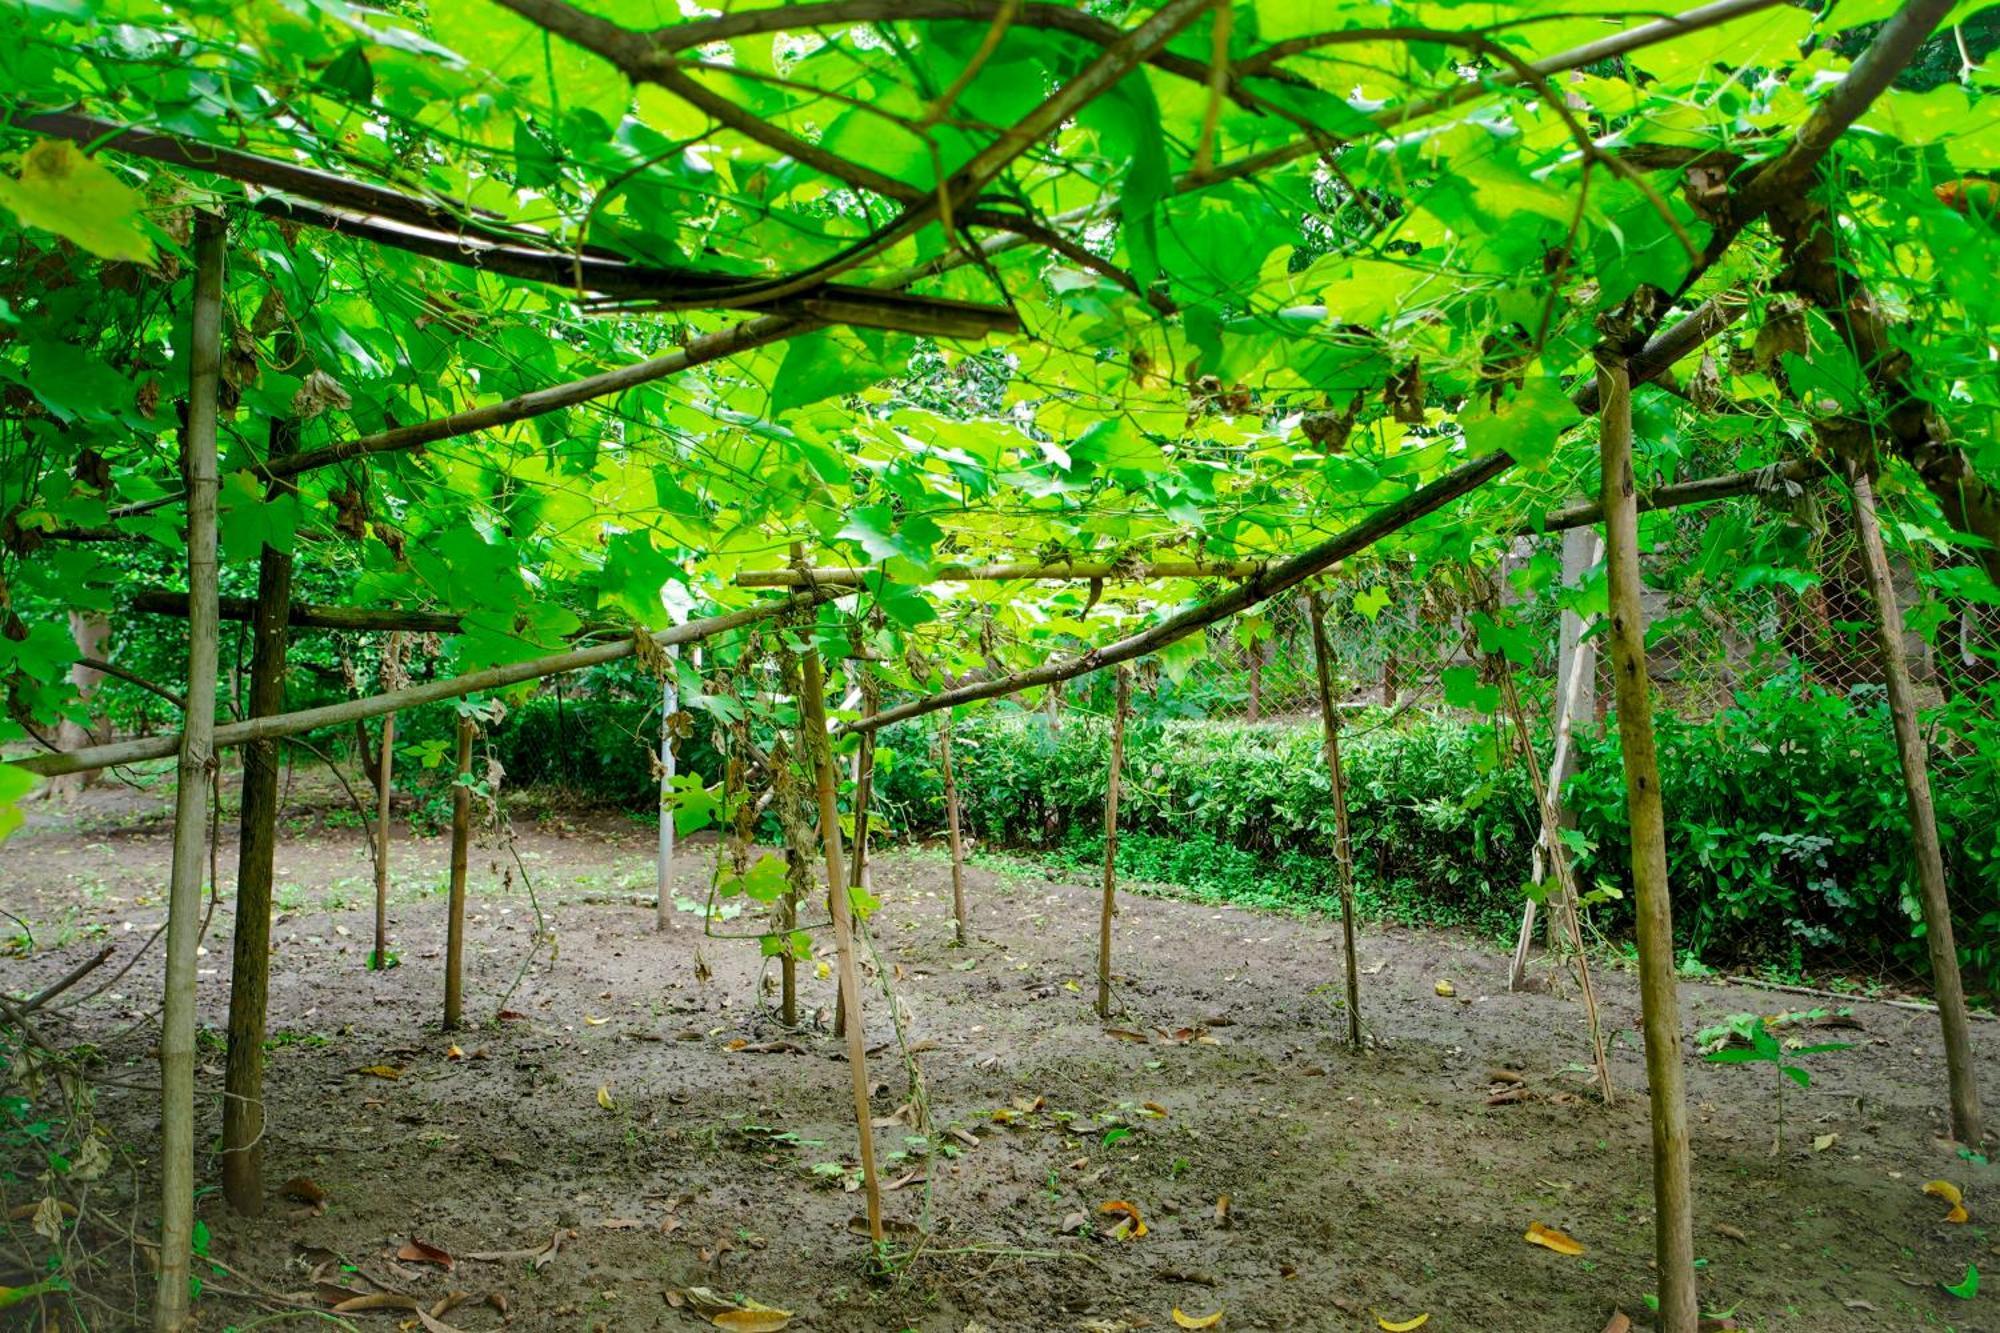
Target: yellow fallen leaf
[[1447, 990], [1402, 1326], [380, 1071], [1196, 1321], [604, 1097], [823, 971], [1551, 1239], [453, 1053], [1072, 988], [1957, 1214], [1825, 1141], [1945, 1190], [592, 1020], [752, 1321], [1132, 1227]]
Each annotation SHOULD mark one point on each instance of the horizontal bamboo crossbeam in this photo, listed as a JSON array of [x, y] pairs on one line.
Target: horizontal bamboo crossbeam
[[836, 576], [313, 615], [353, 710]]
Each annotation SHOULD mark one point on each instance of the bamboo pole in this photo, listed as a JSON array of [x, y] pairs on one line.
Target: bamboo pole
[[1343, 835], [196, 782], [461, 846], [670, 707], [813, 736], [1967, 1122], [951, 830], [1109, 907], [250, 945], [383, 793], [1673, 1202], [836, 576], [864, 792]]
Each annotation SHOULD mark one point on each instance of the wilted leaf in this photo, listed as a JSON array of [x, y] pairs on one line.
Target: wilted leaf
[[1957, 1214], [49, 1220], [1825, 1141], [1196, 1321], [1733, 1233], [380, 1071], [303, 1188], [1402, 1325], [1222, 1210], [377, 1300], [1620, 1323], [453, 1053], [423, 1252], [1131, 1227], [1447, 990], [1127, 1034], [604, 1097], [1944, 1189], [752, 1321], [1551, 1239], [592, 1020]]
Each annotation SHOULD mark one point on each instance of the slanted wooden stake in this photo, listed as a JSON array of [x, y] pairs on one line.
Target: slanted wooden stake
[[1566, 919], [1967, 1125], [951, 830], [813, 737], [1111, 783], [461, 846], [1343, 836], [196, 779], [1673, 1201], [257, 840]]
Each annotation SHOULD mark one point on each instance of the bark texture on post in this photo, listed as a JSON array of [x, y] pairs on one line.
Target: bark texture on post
[[196, 782], [670, 707], [812, 725], [384, 769], [951, 830], [256, 852], [1673, 1202], [1343, 836], [461, 847], [1109, 907], [1967, 1123]]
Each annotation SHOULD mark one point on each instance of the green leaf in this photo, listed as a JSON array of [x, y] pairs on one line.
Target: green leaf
[[15, 783], [817, 366], [1371, 602], [1526, 425], [78, 197], [1462, 689], [350, 75], [1968, 1287]]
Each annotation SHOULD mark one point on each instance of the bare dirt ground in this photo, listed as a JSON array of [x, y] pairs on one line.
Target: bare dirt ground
[[647, 1106]]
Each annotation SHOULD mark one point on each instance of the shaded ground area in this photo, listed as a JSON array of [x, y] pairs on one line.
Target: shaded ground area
[[645, 1105]]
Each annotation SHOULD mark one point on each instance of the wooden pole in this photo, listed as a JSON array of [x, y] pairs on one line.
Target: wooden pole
[[864, 775], [196, 780], [1967, 1122], [951, 830], [1673, 1201], [257, 841], [813, 736], [670, 707], [380, 959], [1109, 906], [1343, 836], [461, 846]]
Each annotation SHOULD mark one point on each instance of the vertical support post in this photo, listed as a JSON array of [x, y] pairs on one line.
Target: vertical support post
[[461, 841], [256, 851], [1673, 1201], [670, 707], [196, 780], [1109, 906], [1966, 1118], [1343, 833], [813, 736], [951, 829], [864, 774], [385, 768]]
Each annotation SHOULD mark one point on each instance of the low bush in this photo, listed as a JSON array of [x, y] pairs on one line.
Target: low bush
[[1788, 837]]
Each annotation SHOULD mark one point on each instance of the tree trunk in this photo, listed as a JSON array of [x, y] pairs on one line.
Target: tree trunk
[[196, 781], [951, 831], [91, 632], [1966, 1121], [670, 707], [1109, 907], [461, 847], [813, 736], [1673, 1201], [1343, 839], [256, 848]]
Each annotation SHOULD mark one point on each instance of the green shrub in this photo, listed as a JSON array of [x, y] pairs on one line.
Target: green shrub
[[1788, 838]]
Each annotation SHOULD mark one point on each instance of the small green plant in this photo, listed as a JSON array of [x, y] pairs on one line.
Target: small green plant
[[1765, 1048]]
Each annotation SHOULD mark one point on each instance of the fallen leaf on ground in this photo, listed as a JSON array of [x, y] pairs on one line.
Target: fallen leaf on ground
[[453, 1053], [1196, 1321], [1505, 1076], [1402, 1325], [1825, 1141], [1859, 1305], [542, 1257], [1127, 1034], [604, 1097], [752, 1320], [1619, 1323], [1944, 1189], [378, 1300], [1551, 1239], [1132, 1227], [304, 1189], [1222, 1210], [1446, 990], [1733, 1233], [1968, 1287], [592, 1020], [380, 1071], [423, 1252]]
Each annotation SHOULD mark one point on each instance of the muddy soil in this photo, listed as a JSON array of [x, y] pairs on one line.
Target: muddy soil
[[640, 1099]]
